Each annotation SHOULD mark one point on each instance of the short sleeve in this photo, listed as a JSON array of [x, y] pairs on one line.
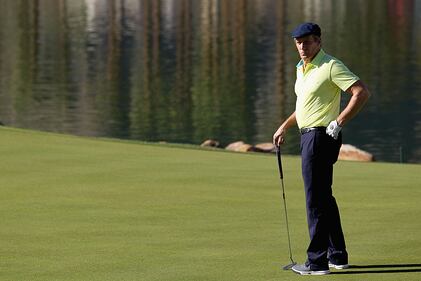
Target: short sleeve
[[341, 76]]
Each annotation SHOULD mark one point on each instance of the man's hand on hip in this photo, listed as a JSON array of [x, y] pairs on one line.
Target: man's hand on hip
[[333, 129]]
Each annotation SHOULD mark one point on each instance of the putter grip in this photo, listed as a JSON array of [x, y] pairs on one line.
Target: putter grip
[[278, 155]]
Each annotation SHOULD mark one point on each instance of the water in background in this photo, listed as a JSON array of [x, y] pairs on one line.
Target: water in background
[[188, 70]]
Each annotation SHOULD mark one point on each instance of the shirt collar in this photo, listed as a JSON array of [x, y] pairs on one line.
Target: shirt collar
[[316, 60]]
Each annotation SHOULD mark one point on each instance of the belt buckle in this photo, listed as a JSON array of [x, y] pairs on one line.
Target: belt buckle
[[306, 130], [309, 129]]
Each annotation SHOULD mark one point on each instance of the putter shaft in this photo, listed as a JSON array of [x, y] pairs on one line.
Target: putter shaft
[[281, 176]]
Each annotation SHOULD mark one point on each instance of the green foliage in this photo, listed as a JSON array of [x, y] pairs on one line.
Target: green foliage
[[94, 209]]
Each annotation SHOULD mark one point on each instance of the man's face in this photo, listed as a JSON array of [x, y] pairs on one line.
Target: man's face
[[308, 46]]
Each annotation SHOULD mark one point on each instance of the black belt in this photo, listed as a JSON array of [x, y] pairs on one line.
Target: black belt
[[306, 130]]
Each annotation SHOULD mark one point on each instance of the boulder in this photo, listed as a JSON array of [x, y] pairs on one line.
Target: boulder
[[267, 147], [239, 146], [210, 143], [350, 152]]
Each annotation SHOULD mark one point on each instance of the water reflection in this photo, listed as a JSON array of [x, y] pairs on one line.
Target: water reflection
[[185, 70]]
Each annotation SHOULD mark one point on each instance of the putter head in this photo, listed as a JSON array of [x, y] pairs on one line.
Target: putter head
[[289, 266]]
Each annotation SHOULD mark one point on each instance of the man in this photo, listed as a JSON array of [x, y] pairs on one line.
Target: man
[[320, 80]]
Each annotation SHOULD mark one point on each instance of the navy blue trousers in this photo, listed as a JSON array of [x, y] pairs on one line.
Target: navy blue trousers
[[318, 153]]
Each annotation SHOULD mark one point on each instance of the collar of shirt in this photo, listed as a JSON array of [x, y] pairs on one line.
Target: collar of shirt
[[315, 62]]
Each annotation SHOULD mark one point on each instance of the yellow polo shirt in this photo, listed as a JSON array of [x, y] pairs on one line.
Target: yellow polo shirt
[[318, 90]]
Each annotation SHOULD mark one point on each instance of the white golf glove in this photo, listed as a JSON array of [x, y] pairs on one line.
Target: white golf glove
[[333, 129]]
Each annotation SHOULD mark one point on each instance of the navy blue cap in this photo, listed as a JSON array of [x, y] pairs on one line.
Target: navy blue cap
[[305, 29]]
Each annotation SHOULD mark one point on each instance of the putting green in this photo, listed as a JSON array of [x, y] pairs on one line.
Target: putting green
[[77, 208]]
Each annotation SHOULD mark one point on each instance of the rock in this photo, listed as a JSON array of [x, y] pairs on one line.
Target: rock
[[350, 152], [244, 147], [210, 143], [239, 146], [267, 147]]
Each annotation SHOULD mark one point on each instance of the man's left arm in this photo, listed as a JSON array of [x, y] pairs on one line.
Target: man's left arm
[[360, 95]]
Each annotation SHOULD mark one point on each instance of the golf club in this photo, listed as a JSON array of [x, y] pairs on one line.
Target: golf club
[[281, 175]]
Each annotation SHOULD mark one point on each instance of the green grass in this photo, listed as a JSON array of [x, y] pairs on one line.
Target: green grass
[[77, 208]]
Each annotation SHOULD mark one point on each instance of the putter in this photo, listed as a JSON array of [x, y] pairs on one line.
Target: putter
[[281, 176]]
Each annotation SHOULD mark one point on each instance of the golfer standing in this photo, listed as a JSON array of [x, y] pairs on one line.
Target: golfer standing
[[320, 80]]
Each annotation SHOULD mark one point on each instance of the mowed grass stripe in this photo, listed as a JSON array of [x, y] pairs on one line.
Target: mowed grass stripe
[[76, 208]]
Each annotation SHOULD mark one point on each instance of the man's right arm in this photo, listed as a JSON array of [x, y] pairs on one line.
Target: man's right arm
[[279, 136]]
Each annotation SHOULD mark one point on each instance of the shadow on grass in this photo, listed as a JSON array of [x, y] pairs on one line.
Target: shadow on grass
[[382, 268]]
